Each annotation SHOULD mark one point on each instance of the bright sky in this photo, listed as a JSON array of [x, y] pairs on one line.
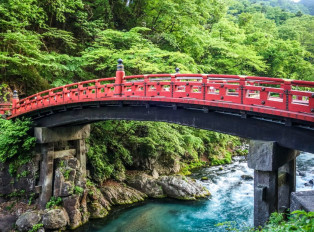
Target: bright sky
[[296, 0]]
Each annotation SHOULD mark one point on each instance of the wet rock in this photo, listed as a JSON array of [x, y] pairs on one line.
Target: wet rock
[[247, 177], [146, 184], [96, 210], [118, 194], [55, 219], [95, 195], [7, 222], [181, 187], [72, 206], [301, 173], [310, 183]]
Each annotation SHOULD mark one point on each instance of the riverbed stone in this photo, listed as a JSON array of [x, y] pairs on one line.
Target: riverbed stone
[[181, 187], [247, 177], [54, 219]]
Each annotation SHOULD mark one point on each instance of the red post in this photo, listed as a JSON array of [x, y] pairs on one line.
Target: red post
[[242, 92], [204, 87], [119, 78], [15, 100], [287, 95]]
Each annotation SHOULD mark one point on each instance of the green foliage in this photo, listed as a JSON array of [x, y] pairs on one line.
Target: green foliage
[[36, 227], [31, 198], [54, 202], [15, 142], [66, 173], [4, 93], [114, 144], [78, 190], [186, 168], [297, 221]]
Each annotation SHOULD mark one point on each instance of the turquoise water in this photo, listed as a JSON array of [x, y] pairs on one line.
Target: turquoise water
[[231, 200]]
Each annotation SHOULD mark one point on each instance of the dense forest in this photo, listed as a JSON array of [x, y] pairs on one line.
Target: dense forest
[[50, 43]]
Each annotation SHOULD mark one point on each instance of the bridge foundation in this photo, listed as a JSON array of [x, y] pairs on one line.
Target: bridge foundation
[[59, 142], [274, 178]]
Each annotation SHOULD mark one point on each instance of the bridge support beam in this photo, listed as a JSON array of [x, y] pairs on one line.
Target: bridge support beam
[[274, 178], [48, 141]]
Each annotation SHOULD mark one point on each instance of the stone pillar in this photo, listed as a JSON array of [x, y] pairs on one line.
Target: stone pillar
[[80, 147], [266, 158], [46, 138], [265, 195], [286, 184], [46, 173]]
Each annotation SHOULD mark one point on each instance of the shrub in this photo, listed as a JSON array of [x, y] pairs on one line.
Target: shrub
[[15, 142]]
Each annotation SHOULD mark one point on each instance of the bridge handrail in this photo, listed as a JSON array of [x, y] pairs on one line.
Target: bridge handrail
[[256, 92], [4, 108]]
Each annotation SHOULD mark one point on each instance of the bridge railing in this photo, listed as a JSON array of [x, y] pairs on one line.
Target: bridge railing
[[256, 92], [5, 108]]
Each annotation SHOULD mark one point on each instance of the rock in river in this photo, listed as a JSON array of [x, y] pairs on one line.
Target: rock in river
[[181, 187]]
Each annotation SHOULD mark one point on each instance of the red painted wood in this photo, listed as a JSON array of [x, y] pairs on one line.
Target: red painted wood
[[274, 96]]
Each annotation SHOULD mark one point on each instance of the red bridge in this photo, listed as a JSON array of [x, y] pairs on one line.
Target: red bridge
[[278, 112], [237, 101]]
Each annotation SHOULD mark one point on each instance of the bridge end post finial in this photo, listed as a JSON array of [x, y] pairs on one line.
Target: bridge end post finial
[[177, 70], [119, 78], [120, 66], [15, 99]]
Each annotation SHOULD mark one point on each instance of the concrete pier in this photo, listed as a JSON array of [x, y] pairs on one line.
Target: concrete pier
[[53, 143], [274, 178]]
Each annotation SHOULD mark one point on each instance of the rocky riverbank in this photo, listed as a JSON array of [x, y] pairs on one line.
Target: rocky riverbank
[[77, 199]]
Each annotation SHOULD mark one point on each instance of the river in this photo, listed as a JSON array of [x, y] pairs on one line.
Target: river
[[231, 200]]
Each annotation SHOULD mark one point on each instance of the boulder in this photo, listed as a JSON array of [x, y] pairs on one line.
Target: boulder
[[163, 164], [54, 219], [72, 206], [146, 184], [118, 194], [84, 208], [97, 210], [95, 195], [7, 222], [181, 187], [247, 177], [155, 174], [27, 220]]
